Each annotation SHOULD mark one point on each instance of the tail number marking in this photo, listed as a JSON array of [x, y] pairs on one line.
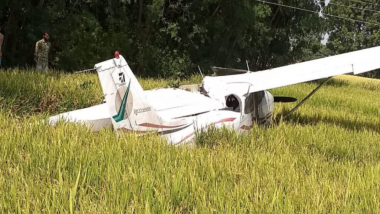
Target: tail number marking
[[142, 110]]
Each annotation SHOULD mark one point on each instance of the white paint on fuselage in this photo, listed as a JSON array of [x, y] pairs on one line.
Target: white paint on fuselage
[[202, 123], [177, 103], [175, 113]]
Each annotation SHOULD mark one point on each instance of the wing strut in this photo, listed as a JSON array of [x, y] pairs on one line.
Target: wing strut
[[307, 97]]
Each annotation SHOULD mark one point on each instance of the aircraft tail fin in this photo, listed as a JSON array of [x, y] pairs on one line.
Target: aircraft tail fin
[[127, 103]]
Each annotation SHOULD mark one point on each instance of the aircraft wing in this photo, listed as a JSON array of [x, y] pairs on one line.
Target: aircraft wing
[[354, 62]]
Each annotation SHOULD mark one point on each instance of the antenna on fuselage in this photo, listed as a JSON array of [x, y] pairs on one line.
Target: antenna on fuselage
[[200, 71], [249, 71]]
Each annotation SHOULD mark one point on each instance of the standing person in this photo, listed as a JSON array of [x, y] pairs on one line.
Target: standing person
[[1, 43], [41, 54]]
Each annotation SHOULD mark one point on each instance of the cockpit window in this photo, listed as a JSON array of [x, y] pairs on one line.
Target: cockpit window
[[250, 101], [233, 102]]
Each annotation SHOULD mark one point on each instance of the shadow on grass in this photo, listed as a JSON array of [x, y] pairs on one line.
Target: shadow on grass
[[296, 118]]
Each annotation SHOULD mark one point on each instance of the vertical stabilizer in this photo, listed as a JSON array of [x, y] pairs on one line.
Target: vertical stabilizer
[[129, 109]]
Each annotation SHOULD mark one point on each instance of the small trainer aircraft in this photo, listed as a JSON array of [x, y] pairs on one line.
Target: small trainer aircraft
[[236, 99]]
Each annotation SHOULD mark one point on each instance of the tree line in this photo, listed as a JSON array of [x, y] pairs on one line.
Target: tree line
[[173, 37]]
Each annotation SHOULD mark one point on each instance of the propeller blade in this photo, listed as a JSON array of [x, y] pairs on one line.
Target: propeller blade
[[284, 99]]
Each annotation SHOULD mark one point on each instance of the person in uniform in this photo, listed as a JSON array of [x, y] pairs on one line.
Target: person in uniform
[[41, 54], [1, 43]]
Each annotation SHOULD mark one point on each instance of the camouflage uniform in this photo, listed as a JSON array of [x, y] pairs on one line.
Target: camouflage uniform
[[41, 54]]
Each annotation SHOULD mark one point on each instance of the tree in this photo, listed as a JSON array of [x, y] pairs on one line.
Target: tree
[[348, 35], [161, 37]]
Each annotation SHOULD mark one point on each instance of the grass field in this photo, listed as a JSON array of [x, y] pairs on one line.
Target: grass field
[[323, 159]]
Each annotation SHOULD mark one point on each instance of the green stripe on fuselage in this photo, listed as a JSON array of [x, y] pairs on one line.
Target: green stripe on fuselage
[[120, 115]]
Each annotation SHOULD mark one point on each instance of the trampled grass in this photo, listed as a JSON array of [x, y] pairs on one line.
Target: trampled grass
[[323, 159]]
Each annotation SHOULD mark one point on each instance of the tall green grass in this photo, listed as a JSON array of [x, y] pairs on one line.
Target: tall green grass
[[30, 92], [323, 159]]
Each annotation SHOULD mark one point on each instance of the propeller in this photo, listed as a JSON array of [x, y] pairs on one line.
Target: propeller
[[278, 99]]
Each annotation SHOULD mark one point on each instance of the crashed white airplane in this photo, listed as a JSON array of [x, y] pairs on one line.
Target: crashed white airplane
[[236, 101]]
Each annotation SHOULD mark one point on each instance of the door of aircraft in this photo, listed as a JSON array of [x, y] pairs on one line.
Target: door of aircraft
[[255, 107]]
